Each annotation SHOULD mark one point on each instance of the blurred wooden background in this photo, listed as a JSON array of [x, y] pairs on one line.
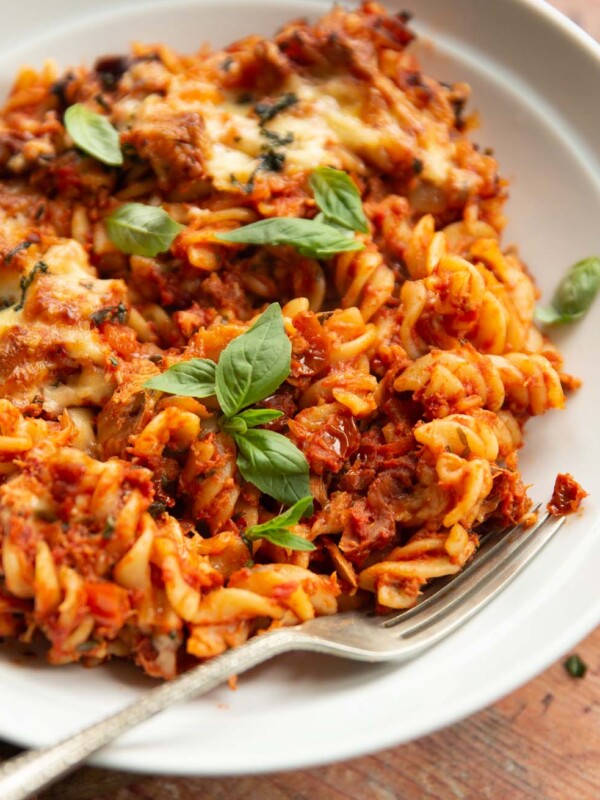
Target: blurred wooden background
[[540, 743]]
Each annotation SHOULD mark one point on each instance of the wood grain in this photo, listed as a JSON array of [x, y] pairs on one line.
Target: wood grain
[[540, 743]]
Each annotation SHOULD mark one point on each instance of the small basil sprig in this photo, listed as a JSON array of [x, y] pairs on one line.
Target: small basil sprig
[[250, 368], [575, 294], [329, 233], [338, 198], [276, 529], [93, 134], [142, 230]]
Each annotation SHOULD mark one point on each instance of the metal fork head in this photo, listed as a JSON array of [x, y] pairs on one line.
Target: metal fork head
[[371, 637]]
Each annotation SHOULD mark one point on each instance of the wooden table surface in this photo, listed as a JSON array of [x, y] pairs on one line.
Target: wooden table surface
[[540, 743]]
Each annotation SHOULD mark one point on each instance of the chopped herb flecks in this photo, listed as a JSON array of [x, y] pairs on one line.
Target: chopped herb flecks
[[277, 138], [109, 314], [271, 160], [109, 528], [268, 111], [156, 509], [26, 282], [575, 666], [12, 253]]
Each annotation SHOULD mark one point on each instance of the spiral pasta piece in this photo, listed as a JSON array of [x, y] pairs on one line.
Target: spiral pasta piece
[[484, 434], [469, 483], [444, 379], [397, 580], [483, 295], [531, 383], [447, 380], [363, 280], [208, 480]]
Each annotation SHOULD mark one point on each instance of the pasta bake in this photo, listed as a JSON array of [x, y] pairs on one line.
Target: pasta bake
[[263, 352]]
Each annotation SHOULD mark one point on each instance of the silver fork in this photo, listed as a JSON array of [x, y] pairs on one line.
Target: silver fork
[[447, 605]]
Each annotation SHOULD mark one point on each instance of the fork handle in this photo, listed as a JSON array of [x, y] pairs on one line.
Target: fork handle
[[33, 770]]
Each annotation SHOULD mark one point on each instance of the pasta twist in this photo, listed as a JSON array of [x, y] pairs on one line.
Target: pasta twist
[[197, 242], [285, 594], [362, 279], [531, 383], [468, 484], [462, 379], [348, 381], [208, 480], [483, 434], [487, 300], [446, 380], [397, 580], [18, 434]]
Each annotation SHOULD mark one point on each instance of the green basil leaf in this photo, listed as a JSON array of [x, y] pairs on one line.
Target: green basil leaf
[[310, 238], [259, 416], [288, 540], [338, 198], [142, 230], [303, 508], [248, 419], [194, 378], [341, 228], [254, 364], [233, 425], [548, 315], [575, 293], [93, 134], [273, 464]]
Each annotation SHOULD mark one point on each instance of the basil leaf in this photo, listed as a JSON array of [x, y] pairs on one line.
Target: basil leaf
[[93, 134], [341, 228], [310, 238], [288, 540], [254, 364], [233, 425], [575, 294], [273, 464], [338, 198], [248, 419], [548, 315], [142, 230], [303, 508], [259, 416], [194, 378]]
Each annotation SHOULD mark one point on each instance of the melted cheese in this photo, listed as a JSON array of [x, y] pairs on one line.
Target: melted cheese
[[56, 318], [334, 122]]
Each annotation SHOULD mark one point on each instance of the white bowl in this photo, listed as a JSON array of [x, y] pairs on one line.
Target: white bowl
[[536, 82]]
